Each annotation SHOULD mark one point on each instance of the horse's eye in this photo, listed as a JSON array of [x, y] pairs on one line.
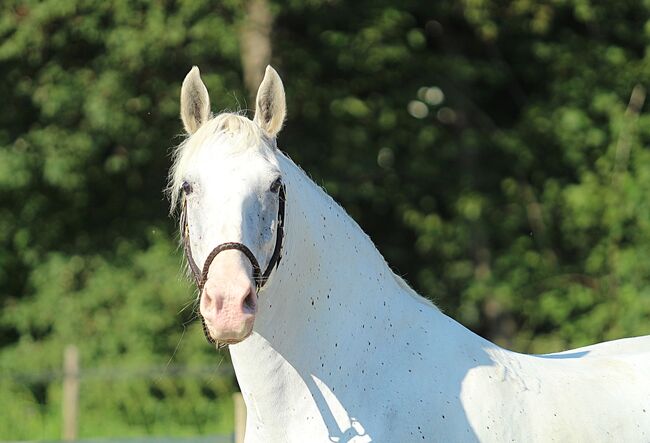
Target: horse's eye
[[187, 188], [275, 186]]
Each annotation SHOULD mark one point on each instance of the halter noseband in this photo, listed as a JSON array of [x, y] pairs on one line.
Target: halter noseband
[[201, 276]]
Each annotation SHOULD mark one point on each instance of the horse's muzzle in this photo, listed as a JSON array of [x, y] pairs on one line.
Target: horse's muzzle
[[229, 298]]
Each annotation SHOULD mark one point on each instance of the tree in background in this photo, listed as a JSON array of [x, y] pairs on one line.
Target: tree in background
[[503, 143], [88, 253], [496, 153]]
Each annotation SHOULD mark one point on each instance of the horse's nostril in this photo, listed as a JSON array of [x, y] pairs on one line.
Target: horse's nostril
[[249, 303]]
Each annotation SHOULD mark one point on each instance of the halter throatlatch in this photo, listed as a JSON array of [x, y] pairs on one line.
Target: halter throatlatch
[[201, 276]]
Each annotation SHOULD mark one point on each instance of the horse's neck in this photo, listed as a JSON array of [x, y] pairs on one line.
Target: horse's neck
[[332, 281], [331, 307]]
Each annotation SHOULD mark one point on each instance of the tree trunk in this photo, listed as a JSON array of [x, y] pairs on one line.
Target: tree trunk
[[255, 44]]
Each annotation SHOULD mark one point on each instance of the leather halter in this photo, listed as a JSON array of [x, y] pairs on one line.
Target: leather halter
[[201, 276]]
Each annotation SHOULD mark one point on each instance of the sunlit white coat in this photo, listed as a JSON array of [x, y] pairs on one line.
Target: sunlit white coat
[[342, 350]]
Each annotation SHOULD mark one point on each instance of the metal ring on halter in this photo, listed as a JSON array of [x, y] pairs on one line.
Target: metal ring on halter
[[201, 276]]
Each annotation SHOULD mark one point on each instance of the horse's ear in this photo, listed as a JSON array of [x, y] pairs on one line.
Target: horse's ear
[[195, 102], [270, 105]]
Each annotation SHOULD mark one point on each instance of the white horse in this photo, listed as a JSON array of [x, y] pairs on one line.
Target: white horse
[[335, 347]]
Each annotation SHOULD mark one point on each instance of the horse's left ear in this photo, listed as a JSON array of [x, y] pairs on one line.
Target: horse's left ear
[[270, 105]]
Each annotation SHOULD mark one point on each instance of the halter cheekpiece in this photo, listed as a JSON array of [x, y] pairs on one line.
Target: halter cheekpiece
[[201, 276]]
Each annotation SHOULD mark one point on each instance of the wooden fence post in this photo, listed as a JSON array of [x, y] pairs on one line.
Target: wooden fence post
[[70, 392], [240, 417]]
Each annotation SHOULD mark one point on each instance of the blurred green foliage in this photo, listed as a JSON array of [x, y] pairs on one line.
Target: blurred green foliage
[[497, 153]]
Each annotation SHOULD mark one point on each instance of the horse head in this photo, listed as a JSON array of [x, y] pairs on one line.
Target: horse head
[[227, 176]]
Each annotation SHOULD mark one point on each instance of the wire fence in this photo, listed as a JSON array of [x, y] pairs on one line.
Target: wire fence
[[162, 381], [120, 373]]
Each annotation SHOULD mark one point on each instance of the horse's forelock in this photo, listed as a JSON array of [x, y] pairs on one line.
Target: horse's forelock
[[243, 131]]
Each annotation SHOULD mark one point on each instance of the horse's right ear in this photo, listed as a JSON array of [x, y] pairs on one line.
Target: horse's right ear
[[195, 102], [271, 106]]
